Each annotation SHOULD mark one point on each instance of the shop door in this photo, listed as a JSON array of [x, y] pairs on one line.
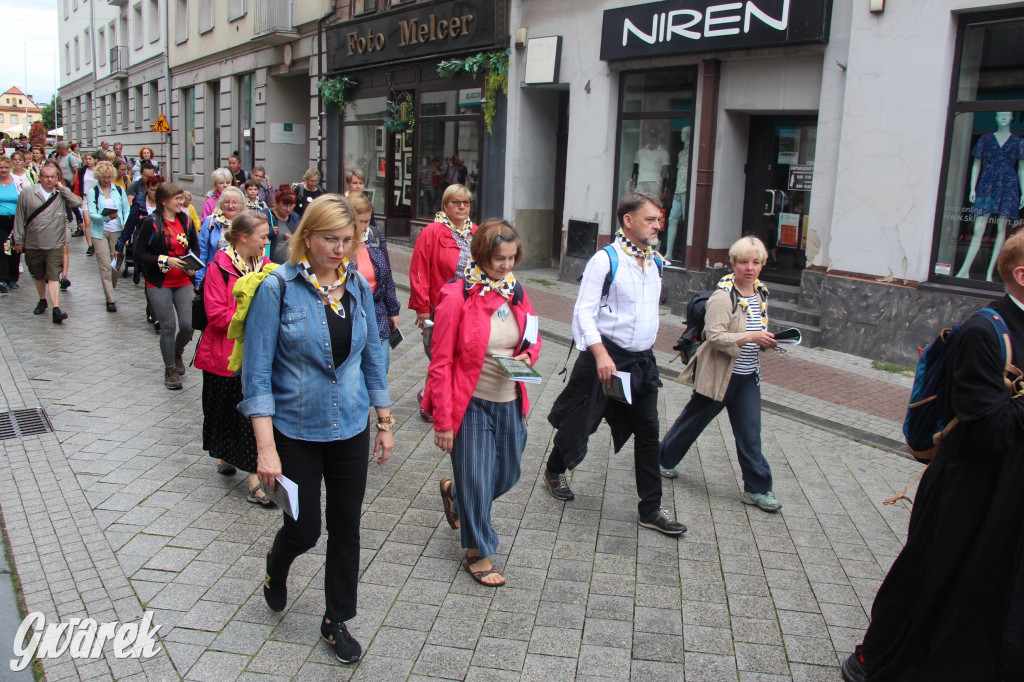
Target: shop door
[[399, 177], [780, 164]]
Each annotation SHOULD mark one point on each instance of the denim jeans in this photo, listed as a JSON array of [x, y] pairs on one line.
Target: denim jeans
[[743, 401]]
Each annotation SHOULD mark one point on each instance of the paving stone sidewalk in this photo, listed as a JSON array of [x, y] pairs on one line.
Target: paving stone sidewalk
[[119, 511]]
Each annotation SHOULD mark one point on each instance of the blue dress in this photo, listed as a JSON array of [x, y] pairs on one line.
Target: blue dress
[[998, 189]]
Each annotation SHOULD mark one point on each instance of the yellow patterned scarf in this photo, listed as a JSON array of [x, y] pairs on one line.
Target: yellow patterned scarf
[[726, 284], [466, 231], [306, 270], [240, 263], [632, 249], [474, 274]]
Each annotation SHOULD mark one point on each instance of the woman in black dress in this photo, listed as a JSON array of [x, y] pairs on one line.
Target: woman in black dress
[[227, 435]]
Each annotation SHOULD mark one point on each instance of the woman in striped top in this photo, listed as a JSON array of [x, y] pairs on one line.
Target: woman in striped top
[[726, 373]]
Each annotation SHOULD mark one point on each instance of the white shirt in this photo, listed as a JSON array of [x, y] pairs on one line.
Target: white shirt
[[650, 163], [88, 181], [43, 193], [629, 317]]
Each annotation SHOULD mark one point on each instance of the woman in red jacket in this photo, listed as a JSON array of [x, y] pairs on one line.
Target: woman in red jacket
[[227, 435], [479, 412], [442, 251]]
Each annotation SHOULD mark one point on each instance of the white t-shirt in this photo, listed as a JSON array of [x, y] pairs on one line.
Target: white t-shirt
[[114, 224], [650, 163], [21, 181], [88, 182]]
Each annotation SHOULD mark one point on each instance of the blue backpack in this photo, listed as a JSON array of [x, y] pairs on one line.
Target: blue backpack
[[924, 426], [613, 257]]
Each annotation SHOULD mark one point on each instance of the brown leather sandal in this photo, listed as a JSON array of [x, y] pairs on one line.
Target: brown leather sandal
[[479, 576], [450, 515]]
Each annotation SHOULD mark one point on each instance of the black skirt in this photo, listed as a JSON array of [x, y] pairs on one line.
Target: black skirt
[[227, 435]]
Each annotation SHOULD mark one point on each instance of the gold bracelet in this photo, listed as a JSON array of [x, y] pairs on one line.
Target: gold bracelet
[[389, 420]]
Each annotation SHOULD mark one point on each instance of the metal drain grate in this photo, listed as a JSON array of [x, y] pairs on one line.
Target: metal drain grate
[[21, 423]]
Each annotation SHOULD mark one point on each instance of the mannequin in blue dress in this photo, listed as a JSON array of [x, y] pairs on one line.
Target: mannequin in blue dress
[[996, 180]]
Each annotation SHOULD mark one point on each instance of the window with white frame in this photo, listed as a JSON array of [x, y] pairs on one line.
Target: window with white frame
[[87, 41], [78, 61], [154, 20], [236, 9], [205, 16], [66, 13], [1, 118], [67, 57], [14, 118], [101, 40], [181, 22], [137, 37]]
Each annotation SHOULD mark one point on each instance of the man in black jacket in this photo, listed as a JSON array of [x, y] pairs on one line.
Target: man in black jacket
[[952, 605]]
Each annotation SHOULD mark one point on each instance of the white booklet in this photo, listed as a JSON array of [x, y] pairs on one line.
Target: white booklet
[[286, 496]]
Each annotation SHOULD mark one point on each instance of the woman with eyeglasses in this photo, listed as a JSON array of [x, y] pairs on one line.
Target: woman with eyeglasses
[[442, 252], [230, 204], [311, 369]]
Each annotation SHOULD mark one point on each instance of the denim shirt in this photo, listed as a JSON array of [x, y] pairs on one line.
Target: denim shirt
[[288, 368]]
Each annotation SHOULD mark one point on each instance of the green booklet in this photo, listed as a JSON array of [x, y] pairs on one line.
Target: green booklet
[[517, 370]]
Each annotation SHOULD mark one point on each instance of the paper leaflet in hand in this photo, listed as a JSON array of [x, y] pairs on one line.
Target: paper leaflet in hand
[[286, 496]]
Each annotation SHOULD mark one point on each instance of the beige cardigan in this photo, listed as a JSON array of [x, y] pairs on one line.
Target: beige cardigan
[[715, 358]]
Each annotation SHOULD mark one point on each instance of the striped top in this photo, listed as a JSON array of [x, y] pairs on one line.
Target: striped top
[[747, 362]]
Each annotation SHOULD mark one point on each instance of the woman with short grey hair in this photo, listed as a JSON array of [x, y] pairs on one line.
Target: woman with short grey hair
[[221, 178]]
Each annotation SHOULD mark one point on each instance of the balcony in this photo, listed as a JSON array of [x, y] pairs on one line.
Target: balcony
[[119, 61], [272, 22]]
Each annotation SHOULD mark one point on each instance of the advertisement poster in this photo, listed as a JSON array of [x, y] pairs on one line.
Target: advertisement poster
[[789, 146], [789, 230]]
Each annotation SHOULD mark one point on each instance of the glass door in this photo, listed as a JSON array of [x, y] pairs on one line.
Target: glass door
[[780, 168]]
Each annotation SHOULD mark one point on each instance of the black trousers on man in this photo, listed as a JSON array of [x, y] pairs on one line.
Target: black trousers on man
[[341, 466], [581, 407]]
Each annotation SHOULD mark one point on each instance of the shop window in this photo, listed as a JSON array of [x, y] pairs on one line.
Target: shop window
[[449, 151], [980, 196], [654, 155]]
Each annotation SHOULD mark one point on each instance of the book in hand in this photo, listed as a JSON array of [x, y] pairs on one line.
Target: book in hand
[[396, 337], [107, 212], [285, 495], [789, 336], [620, 388], [192, 262], [517, 370]]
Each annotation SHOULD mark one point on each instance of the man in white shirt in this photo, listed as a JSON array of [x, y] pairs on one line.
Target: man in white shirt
[[615, 333]]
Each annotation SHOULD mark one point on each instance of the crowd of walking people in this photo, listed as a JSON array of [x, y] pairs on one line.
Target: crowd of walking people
[[294, 295]]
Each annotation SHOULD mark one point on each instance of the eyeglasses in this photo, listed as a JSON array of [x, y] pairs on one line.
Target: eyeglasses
[[461, 202], [332, 243]]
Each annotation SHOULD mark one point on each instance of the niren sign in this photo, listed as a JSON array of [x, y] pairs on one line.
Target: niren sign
[[694, 26], [420, 31]]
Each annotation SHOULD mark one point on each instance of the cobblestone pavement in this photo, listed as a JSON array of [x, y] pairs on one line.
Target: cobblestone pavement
[[119, 511]]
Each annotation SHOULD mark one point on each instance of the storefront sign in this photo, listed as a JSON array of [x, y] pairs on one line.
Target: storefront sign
[[801, 177], [439, 29], [471, 97], [694, 26]]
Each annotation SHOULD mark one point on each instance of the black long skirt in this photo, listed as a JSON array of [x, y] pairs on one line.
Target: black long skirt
[[227, 435]]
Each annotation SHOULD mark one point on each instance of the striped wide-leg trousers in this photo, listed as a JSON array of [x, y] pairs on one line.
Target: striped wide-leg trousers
[[486, 457]]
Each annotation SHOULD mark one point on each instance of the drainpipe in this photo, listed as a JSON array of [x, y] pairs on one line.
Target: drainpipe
[[167, 81], [319, 98]]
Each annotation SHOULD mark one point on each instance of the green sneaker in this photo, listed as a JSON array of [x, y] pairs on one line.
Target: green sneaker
[[668, 473], [765, 501]]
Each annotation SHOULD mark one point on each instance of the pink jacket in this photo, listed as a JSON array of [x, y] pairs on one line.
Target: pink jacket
[[214, 346], [462, 327], [210, 206]]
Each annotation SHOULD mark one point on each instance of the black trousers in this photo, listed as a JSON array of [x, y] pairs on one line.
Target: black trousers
[[341, 465], [8, 264], [643, 417]]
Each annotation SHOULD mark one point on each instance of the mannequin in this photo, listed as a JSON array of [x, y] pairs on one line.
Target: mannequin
[[650, 165], [679, 196], [996, 180]]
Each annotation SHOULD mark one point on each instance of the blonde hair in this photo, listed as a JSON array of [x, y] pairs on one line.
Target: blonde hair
[[327, 212], [360, 205], [245, 223], [745, 247], [231, 192], [310, 173], [220, 175], [104, 170], [456, 192]]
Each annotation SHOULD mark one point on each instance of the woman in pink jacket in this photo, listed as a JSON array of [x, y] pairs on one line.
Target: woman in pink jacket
[[227, 435], [479, 412]]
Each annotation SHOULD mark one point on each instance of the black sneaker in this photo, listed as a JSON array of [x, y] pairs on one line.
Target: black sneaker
[[662, 521], [558, 486], [40, 307], [59, 315], [111, 307], [275, 592], [3, 287], [853, 667], [78, 233], [65, 283], [90, 251], [346, 648]]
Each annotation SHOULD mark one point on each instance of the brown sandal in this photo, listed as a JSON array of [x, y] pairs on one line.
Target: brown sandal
[[480, 575], [450, 515]]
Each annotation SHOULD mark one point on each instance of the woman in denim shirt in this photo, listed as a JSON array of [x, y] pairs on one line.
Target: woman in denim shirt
[[308, 377]]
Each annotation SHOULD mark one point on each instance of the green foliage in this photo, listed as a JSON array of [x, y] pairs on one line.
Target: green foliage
[[333, 90], [49, 113], [401, 114], [494, 67], [890, 367]]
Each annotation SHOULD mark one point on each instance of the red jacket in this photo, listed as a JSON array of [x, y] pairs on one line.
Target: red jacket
[[214, 346], [462, 327], [434, 259]]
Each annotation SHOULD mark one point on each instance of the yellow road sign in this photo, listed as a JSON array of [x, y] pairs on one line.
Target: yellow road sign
[[161, 125]]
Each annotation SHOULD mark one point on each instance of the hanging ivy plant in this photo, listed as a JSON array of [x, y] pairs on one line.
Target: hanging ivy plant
[[400, 117], [332, 90], [494, 67]]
